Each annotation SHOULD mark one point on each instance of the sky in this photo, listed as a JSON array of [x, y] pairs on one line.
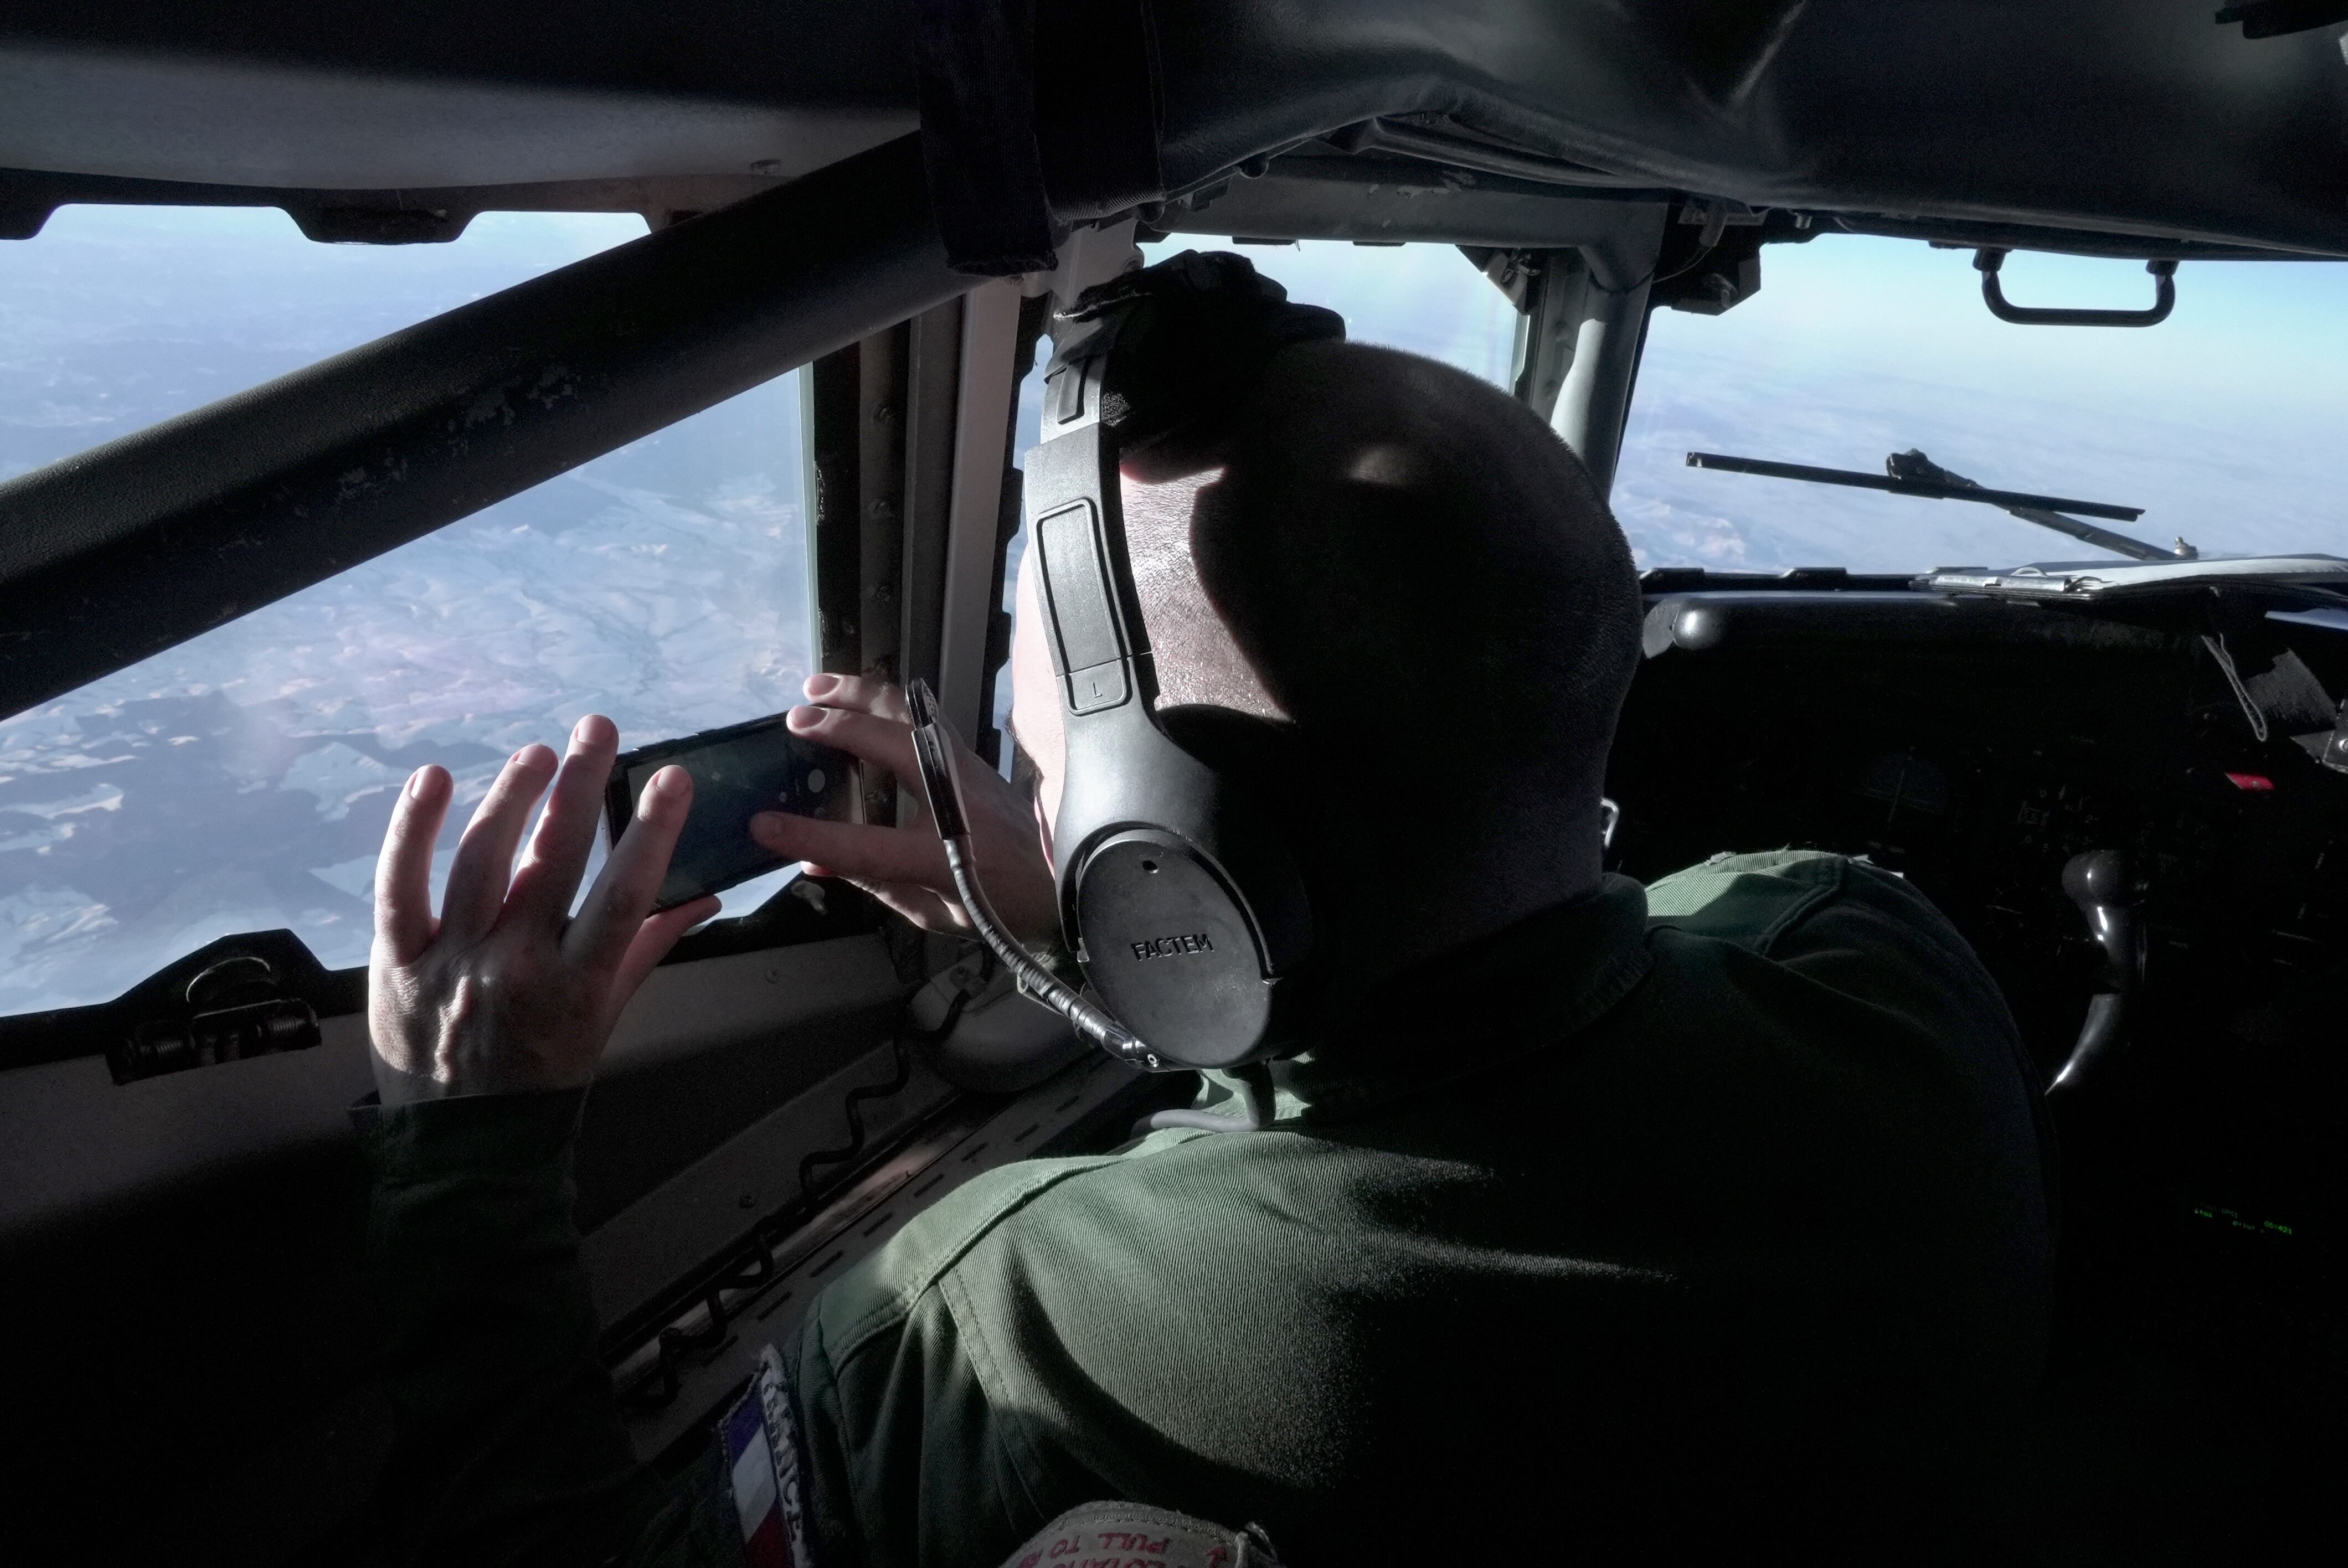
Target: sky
[[241, 781], [2223, 423]]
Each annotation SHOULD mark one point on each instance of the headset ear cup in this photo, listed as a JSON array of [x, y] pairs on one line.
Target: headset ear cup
[[1169, 945]]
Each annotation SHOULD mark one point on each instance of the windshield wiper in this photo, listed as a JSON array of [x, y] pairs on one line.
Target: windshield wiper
[[1910, 473]]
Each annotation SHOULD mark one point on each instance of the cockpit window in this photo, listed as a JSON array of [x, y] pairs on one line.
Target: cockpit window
[[241, 781], [2221, 422]]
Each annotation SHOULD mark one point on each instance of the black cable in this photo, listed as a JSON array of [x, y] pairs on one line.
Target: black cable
[[847, 1153], [658, 1384], [938, 1036], [1652, 280]]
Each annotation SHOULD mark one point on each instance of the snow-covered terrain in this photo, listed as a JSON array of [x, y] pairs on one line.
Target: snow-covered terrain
[[241, 781]]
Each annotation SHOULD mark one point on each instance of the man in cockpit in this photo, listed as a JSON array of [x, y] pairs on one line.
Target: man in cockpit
[[1598, 1219]]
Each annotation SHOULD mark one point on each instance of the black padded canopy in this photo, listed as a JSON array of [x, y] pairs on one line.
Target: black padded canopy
[[2127, 117]]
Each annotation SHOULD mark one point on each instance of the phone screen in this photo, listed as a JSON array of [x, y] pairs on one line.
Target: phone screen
[[737, 772]]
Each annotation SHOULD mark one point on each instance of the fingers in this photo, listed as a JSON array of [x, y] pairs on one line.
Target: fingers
[[651, 944], [930, 911], [888, 743], [557, 856], [403, 873], [868, 719], [484, 863], [598, 940], [861, 694], [861, 852], [905, 868], [919, 905]]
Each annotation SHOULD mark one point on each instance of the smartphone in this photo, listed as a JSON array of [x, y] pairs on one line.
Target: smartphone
[[737, 772]]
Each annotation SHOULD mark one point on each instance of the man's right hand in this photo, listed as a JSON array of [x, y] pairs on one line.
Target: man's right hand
[[906, 867]]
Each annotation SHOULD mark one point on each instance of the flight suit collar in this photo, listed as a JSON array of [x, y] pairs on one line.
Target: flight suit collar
[[1521, 989]]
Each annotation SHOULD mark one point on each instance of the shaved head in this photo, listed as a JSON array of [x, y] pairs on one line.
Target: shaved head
[[1394, 540], [1403, 571]]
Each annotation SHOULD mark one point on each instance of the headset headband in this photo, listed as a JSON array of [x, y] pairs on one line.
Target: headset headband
[[1181, 897]]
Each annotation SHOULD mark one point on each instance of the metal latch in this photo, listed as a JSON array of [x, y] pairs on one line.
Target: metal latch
[[236, 1009]]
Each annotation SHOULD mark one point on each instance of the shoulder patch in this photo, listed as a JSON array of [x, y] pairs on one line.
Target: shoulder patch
[[759, 1437]]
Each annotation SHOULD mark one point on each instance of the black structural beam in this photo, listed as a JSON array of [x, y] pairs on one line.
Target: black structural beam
[[128, 548]]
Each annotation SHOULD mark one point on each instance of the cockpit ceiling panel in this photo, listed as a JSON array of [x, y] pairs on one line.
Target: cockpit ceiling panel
[[306, 129], [2122, 116]]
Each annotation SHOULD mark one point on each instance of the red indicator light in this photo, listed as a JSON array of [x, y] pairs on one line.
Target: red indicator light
[[2249, 781]]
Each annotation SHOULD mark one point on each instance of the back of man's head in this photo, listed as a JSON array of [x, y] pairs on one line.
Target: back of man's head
[[1425, 580], [1388, 601]]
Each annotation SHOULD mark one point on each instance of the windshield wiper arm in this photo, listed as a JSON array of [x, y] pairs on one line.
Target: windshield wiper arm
[[1912, 473]]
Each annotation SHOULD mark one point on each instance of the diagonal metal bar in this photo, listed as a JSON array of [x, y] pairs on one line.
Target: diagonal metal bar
[[124, 550]]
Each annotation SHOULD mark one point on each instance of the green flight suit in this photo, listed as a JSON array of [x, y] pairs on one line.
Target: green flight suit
[[1710, 1212]]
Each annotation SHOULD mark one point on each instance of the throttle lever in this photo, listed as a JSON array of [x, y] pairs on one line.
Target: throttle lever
[[2104, 884]]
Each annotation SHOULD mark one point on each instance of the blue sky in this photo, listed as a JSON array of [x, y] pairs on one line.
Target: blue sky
[[242, 780], [2222, 423]]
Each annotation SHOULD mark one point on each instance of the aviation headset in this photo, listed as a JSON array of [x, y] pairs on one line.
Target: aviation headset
[[1178, 891]]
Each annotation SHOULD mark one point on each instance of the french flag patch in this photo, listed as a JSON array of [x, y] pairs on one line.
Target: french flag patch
[[762, 1459]]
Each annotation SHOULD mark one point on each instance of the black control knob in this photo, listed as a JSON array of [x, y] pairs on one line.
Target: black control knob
[[2103, 883], [2105, 886]]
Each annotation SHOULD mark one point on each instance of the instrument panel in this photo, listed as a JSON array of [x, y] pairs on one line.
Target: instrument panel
[[1976, 749]]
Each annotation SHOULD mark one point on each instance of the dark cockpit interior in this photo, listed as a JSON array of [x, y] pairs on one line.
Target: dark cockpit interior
[[2121, 770]]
